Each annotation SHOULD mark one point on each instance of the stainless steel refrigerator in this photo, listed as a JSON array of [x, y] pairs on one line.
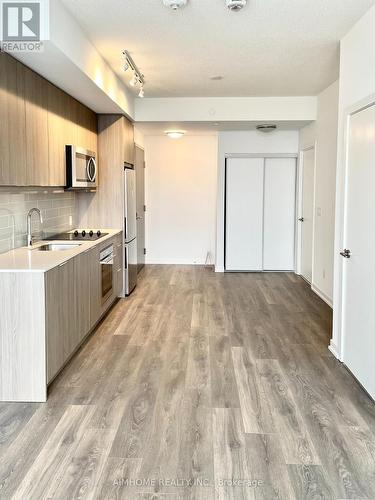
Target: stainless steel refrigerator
[[130, 230]]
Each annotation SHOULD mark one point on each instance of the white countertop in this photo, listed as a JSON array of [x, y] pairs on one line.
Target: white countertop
[[26, 259]]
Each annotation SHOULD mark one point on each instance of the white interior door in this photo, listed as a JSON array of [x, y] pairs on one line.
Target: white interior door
[[279, 214], [244, 214], [359, 238], [307, 216]]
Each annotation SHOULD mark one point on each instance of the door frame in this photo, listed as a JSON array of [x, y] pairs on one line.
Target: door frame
[[300, 209], [136, 145], [338, 333], [264, 156]]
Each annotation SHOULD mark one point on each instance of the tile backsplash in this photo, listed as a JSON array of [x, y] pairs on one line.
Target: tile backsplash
[[57, 208]]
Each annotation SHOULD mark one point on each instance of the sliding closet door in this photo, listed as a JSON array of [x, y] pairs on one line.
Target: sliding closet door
[[244, 214], [279, 214]]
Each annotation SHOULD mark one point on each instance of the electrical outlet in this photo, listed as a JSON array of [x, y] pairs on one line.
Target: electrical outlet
[[318, 211]]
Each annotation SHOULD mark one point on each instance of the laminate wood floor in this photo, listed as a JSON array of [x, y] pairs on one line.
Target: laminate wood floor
[[195, 383]]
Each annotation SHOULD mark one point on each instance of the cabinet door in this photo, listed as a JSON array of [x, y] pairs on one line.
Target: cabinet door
[[118, 266], [58, 134], [12, 123], [128, 141], [95, 286], [61, 324], [54, 327], [86, 127], [67, 316], [82, 294], [36, 98]]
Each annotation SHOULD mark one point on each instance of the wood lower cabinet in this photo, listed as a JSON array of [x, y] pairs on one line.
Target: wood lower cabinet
[[60, 316], [95, 287], [82, 291], [70, 292], [45, 317]]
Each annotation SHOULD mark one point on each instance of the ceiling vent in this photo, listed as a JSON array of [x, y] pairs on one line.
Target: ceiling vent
[[266, 127], [175, 4], [235, 5]]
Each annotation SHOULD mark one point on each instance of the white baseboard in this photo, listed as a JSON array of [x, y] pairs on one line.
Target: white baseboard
[[219, 269], [174, 262], [333, 349], [322, 295]]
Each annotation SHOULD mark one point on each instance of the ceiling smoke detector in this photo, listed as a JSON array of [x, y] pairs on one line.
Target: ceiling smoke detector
[[236, 5], [266, 127], [175, 4]]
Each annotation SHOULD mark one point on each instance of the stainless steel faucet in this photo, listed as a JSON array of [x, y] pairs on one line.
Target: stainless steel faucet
[[29, 235]]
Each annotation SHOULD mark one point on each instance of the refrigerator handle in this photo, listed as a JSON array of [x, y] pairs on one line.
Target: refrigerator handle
[[125, 228], [126, 257]]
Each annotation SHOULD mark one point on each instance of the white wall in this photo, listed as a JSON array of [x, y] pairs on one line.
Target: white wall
[[180, 199], [139, 138], [71, 62], [249, 142], [357, 89], [192, 109], [323, 134]]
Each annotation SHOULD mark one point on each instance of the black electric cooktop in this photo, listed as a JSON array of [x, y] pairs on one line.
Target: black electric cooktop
[[87, 235]]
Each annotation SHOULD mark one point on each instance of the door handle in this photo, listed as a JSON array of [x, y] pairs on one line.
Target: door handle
[[301, 219], [346, 253], [139, 218]]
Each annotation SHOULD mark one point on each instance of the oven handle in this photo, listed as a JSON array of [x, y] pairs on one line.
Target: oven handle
[[107, 260]]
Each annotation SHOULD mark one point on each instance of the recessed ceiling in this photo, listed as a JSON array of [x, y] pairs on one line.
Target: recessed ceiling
[[270, 48]]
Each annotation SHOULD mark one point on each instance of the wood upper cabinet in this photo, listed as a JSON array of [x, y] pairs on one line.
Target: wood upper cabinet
[[86, 125], [58, 134], [128, 141], [36, 100], [12, 122], [37, 120]]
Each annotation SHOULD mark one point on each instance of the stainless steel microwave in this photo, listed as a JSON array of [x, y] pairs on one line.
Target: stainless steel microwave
[[81, 168]]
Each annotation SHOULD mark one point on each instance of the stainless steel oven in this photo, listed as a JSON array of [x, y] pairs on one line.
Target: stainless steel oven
[[81, 168], [106, 269]]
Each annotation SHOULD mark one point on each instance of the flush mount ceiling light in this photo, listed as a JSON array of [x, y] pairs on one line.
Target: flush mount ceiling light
[[175, 4], [138, 77], [175, 134], [266, 127], [235, 5]]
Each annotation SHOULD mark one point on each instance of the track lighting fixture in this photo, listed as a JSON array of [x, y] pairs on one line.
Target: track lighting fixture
[[138, 77], [133, 82]]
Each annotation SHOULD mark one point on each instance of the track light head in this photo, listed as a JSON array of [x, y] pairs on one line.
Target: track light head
[[133, 82]]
